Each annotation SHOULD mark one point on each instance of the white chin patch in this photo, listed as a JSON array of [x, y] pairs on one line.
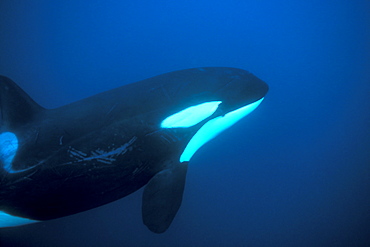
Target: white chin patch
[[215, 126]]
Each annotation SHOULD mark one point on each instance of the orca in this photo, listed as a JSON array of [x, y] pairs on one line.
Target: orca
[[62, 161]]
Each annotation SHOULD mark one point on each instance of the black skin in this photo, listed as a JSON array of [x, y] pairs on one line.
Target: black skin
[[51, 181]]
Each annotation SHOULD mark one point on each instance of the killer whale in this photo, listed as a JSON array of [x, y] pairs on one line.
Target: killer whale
[[58, 162]]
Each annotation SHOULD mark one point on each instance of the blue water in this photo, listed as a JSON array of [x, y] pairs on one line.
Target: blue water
[[295, 172]]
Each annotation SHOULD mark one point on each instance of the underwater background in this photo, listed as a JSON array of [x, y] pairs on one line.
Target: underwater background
[[295, 172]]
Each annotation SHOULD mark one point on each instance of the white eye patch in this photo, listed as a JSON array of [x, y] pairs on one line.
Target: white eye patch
[[191, 115]]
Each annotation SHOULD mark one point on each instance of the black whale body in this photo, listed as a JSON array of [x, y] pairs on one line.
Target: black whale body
[[58, 162]]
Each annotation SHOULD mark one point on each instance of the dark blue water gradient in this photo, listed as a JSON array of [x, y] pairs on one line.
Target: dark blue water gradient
[[296, 172]]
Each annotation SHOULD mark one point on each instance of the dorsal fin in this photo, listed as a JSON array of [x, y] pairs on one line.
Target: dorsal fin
[[16, 107]]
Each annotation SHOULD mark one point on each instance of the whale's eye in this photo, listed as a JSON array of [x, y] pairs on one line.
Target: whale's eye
[[191, 115]]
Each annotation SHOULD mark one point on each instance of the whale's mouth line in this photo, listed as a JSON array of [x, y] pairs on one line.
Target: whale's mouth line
[[215, 126]]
